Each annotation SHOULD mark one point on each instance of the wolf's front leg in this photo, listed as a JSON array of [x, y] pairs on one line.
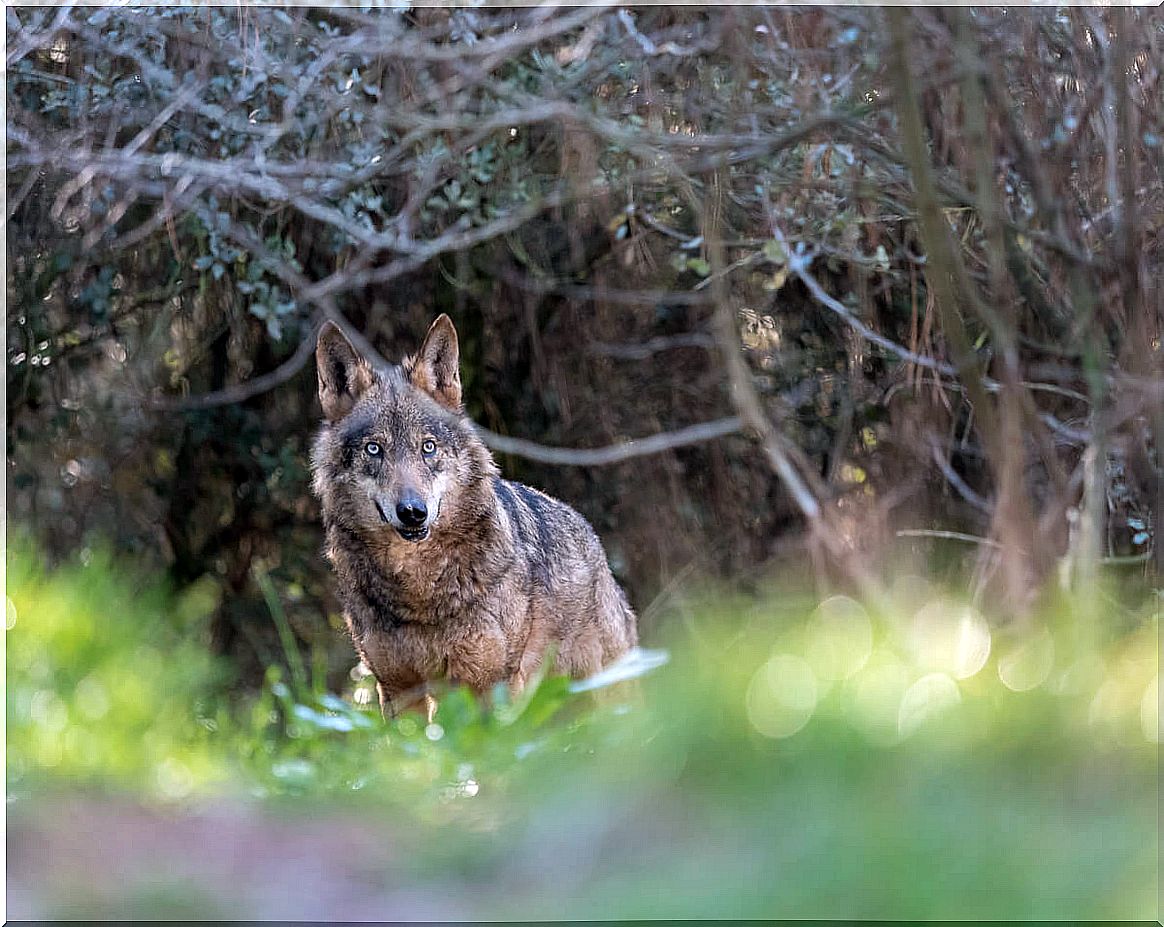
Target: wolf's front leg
[[394, 701], [400, 684]]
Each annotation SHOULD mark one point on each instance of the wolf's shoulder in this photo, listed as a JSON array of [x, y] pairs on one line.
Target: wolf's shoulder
[[534, 500], [534, 512]]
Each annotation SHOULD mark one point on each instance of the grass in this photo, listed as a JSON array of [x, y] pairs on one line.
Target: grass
[[793, 759]]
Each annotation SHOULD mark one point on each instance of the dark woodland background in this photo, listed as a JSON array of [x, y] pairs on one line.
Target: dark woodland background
[[904, 267]]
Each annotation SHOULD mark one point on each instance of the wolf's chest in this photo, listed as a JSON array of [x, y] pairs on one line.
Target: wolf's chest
[[473, 649], [422, 614], [437, 594]]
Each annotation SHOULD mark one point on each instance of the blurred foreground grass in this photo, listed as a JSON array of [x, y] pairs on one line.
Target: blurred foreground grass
[[792, 760]]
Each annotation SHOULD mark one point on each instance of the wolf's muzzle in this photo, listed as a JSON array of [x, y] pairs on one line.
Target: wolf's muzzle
[[411, 517]]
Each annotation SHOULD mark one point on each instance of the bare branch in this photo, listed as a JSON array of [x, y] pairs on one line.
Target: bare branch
[[799, 261], [784, 457], [614, 453]]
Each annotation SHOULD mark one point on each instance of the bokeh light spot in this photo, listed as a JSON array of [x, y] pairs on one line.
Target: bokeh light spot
[[877, 693], [48, 711], [781, 696], [927, 698], [951, 637], [1107, 706], [840, 638], [407, 726], [173, 779], [92, 699], [1027, 664]]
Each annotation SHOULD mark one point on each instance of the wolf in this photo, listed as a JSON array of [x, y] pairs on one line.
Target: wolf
[[444, 569]]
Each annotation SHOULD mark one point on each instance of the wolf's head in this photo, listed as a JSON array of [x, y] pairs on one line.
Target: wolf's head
[[396, 456]]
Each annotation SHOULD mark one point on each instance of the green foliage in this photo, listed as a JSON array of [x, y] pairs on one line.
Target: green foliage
[[794, 758], [109, 682]]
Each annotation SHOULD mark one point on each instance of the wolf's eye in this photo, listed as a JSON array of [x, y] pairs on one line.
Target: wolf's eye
[[373, 449], [428, 448]]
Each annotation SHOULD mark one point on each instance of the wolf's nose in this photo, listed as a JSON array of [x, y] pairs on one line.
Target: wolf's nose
[[411, 512]]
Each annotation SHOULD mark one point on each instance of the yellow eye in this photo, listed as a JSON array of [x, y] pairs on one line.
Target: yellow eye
[[428, 448]]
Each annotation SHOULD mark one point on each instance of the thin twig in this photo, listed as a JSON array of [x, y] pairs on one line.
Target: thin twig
[[957, 482], [946, 535], [799, 261]]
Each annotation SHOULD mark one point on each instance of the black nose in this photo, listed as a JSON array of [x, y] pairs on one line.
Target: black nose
[[411, 512]]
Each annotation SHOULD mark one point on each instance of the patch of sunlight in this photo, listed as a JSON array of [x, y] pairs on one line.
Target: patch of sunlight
[[636, 662]]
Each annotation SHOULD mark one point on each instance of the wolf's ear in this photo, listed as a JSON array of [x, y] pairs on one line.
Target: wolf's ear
[[344, 376], [436, 368]]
